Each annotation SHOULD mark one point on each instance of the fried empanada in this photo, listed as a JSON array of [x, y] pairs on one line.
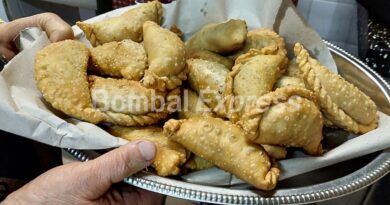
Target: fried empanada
[[193, 106], [61, 75], [221, 38], [166, 58], [197, 163], [289, 81], [288, 116], [224, 144], [128, 103], [275, 152], [120, 59], [126, 26], [207, 79], [211, 56], [253, 75], [170, 155], [266, 40], [343, 104]]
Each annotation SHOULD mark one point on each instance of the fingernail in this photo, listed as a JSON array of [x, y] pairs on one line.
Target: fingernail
[[147, 150]]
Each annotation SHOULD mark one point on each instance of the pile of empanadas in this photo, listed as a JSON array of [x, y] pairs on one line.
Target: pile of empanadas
[[225, 97]]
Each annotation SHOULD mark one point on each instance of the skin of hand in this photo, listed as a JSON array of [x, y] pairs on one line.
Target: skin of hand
[[56, 29], [92, 182]]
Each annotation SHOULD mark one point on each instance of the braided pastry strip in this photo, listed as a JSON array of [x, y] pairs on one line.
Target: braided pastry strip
[[310, 69]]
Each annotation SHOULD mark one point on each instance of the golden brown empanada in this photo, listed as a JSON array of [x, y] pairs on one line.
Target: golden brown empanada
[[128, 103], [343, 104], [207, 79], [221, 38], [166, 58], [225, 145], [126, 26], [266, 40], [61, 74], [287, 116], [170, 155], [120, 59], [193, 106], [210, 56], [253, 75]]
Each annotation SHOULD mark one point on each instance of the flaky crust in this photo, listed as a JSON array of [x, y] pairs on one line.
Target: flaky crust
[[126, 26], [170, 155], [125, 59], [61, 75], [254, 74], [225, 145], [193, 106], [221, 38], [207, 79], [115, 98], [264, 39], [288, 116], [166, 58], [210, 56], [343, 104]]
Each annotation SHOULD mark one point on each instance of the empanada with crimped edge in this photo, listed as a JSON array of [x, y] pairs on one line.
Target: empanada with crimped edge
[[343, 104], [288, 116], [166, 58], [126, 26], [61, 75], [224, 144], [125, 59], [254, 74]]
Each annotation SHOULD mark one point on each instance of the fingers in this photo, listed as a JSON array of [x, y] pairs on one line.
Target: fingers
[[116, 165], [7, 53], [56, 28]]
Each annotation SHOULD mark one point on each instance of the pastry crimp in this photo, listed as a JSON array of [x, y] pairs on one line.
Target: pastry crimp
[[126, 26], [224, 144], [343, 104], [61, 75], [166, 58], [125, 59], [288, 116], [170, 155]]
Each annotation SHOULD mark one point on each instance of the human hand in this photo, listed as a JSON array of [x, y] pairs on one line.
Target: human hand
[[56, 28], [92, 182]]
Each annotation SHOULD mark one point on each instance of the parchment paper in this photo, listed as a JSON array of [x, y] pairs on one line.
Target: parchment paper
[[25, 113]]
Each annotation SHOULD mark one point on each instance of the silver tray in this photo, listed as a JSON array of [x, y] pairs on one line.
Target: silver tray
[[338, 180]]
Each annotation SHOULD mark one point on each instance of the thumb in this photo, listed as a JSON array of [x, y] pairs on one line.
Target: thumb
[[116, 165]]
